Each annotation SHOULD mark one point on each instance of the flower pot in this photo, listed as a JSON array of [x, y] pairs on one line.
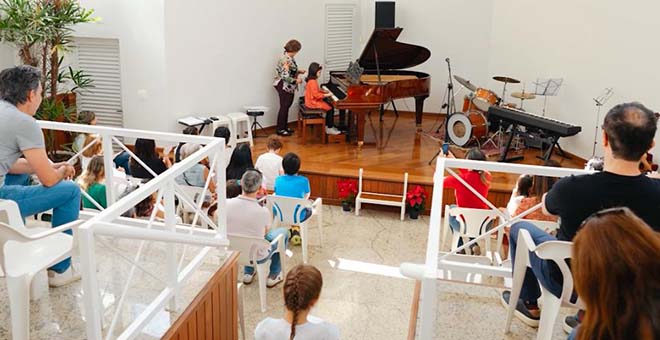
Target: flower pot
[[346, 206], [414, 213]]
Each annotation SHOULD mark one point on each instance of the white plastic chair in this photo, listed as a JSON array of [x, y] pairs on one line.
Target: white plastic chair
[[473, 223], [240, 122], [25, 253], [184, 210], [288, 211], [557, 251], [221, 121], [249, 248]]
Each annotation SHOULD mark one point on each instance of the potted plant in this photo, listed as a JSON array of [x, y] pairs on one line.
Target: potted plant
[[42, 31], [347, 191], [415, 201]]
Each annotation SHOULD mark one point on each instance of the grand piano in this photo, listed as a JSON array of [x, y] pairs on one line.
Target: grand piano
[[383, 79]]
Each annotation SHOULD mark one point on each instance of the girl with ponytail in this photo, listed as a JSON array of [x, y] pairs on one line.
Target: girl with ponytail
[[477, 179], [302, 289]]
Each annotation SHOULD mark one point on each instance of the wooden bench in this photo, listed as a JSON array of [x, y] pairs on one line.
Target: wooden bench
[[381, 199]]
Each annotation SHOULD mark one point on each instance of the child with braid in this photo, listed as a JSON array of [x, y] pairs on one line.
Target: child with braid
[[302, 288]]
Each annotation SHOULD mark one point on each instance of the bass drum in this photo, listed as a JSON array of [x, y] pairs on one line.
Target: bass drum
[[463, 128]]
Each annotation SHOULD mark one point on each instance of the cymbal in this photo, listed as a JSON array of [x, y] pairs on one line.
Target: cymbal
[[523, 95], [468, 85], [505, 79]]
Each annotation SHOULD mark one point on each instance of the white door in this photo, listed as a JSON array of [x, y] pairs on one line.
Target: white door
[[340, 36], [100, 59]]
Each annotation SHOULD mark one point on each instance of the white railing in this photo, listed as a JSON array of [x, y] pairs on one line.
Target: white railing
[[109, 223], [429, 272]]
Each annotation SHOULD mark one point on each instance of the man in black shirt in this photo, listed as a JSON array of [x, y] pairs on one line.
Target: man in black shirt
[[628, 132]]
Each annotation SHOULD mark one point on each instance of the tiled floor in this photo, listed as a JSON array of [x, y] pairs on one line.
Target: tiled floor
[[363, 292]]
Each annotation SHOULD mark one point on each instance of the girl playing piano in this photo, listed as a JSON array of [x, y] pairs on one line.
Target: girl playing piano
[[316, 98]]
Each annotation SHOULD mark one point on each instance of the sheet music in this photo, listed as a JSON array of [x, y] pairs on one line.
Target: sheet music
[[190, 121], [547, 86]]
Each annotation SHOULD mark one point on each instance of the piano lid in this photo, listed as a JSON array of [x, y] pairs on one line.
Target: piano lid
[[392, 55]]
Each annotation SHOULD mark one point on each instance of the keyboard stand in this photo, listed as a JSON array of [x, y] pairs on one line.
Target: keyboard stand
[[514, 131], [548, 153]]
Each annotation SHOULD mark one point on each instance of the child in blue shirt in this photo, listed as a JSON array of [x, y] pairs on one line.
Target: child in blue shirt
[[291, 184]]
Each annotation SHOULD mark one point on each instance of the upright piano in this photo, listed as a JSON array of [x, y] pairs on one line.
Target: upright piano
[[383, 79]]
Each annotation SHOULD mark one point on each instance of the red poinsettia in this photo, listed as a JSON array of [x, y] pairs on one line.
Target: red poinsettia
[[347, 190], [416, 198]]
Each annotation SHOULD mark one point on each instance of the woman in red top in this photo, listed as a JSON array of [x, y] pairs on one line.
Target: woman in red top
[[315, 98], [477, 179]]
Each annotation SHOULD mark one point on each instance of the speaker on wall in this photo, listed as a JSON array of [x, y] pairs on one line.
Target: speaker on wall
[[385, 14]]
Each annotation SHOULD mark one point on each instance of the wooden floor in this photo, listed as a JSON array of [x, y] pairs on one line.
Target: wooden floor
[[391, 148]]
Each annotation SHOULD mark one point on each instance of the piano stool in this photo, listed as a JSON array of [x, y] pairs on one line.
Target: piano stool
[[255, 112], [241, 125], [310, 117]]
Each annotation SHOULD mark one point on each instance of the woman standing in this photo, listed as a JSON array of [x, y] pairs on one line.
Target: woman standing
[[286, 83]]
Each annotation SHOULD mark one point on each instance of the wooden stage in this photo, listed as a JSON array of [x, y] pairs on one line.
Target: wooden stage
[[391, 148]]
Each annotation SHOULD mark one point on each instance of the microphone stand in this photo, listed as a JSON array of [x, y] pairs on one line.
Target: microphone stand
[[450, 104]]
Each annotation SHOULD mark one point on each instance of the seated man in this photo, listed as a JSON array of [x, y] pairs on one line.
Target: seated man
[[246, 217], [20, 97], [628, 132]]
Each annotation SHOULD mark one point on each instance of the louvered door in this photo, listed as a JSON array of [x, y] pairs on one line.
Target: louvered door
[[100, 59], [340, 36]]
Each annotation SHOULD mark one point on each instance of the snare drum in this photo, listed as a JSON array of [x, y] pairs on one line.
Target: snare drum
[[463, 128], [484, 98]]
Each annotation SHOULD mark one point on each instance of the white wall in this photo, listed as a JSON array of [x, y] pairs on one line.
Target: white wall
[[139, 26], [7, 56], [591, 44], [224, 56], [457, 29]]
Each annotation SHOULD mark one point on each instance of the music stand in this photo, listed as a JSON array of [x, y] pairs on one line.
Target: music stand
[[547, 87]]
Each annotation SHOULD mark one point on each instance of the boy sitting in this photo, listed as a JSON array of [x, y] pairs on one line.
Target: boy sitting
[[270, 163]]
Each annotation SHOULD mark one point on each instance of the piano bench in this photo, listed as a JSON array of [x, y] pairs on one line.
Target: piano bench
[[311, 117]]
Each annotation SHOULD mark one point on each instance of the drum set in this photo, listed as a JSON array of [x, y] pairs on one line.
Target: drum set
[[471, 124]]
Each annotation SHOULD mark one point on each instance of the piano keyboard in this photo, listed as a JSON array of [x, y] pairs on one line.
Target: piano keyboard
[[528, 119], [334, 98]]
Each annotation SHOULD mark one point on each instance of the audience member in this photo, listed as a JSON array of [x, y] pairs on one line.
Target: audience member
[[85, 118], [190, 130], [291, 184], [540, 185], [302, 289], [20, 97], [270, 162], [246, 217], [94, 150], [91, 181], [520, 191], [628, 132], [224, 132], [196, 175], [233, 188], [145, 149], [620, 282], [477, 179], [241, 160]]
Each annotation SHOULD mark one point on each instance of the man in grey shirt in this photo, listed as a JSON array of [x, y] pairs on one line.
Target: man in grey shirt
[[22, 151]]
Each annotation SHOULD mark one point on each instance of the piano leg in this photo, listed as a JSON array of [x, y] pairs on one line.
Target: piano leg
[[360, 127], [419, 111]]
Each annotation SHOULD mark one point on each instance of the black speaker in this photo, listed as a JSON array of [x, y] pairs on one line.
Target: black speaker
[[384, 14]]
